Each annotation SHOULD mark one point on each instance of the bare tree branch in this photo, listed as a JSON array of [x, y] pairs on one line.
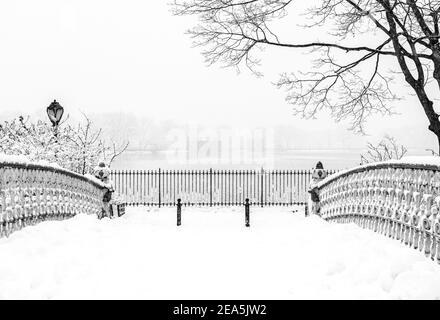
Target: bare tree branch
[[232, 31], [386, 149]]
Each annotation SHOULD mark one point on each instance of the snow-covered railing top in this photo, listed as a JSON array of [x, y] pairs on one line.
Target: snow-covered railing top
[[23, 162], [31, 192], [416, 163], [398, 198]]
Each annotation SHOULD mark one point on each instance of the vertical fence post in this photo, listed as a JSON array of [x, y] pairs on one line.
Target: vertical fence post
[[210, 187], [261, 186], [179, 212], [160, 195], [246, 211]]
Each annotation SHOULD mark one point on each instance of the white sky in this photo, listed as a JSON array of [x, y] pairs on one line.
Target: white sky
[[133, 56]]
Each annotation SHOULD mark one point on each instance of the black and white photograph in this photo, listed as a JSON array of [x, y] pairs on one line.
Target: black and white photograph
[[219, 150]]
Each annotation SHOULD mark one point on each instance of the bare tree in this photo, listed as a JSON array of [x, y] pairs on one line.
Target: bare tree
[[386, 149], [406, 31], [90, 147]]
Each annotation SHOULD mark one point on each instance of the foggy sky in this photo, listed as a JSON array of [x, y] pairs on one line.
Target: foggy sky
[[133, 57]]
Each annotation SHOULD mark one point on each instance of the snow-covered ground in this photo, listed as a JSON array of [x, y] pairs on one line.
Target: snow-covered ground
[[211, 256]]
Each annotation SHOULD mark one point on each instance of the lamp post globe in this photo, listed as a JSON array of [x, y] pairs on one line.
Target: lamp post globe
[[55, 112]]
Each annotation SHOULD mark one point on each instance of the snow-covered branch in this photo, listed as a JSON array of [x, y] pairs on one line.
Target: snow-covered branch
[[75, 147]]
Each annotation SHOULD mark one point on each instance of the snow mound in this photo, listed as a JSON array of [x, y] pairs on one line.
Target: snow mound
[[211, 256]]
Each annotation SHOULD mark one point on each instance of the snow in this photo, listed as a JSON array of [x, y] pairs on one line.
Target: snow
[[25, 162], [425, 162], [211, 256]]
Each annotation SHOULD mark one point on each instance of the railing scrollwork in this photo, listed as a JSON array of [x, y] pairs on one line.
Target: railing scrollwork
[[399, 199], [32, 193]]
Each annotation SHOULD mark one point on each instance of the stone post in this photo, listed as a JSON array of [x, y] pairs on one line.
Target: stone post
[[102, 172], [318, 174]]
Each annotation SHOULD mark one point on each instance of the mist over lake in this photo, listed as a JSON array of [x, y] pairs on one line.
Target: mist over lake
[[302, 159]]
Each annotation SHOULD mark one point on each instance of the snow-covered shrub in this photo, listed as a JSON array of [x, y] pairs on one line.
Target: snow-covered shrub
[[76, 147]]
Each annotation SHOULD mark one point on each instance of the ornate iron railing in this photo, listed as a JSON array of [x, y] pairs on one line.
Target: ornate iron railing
[[399, 199], [212, 187], [31, 193]]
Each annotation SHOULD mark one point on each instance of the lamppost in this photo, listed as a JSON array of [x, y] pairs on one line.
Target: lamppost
[[55, 112]]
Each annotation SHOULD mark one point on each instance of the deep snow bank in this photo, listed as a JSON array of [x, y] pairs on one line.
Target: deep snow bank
[[144, 255]]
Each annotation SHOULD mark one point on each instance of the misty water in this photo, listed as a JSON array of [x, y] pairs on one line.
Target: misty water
[[285, 160]]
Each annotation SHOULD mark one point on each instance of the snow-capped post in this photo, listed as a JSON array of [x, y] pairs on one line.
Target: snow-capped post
[[318, 174], [102, 172], [246, 211], [179, 212]]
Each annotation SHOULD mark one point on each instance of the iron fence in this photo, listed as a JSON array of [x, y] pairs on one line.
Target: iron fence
[[211, 187]]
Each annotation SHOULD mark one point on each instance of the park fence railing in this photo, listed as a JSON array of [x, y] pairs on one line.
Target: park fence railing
[[398, 199], [32, 193], [211, 187]]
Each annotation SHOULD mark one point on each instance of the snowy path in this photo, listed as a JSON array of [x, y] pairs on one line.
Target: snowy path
[[144, 255]]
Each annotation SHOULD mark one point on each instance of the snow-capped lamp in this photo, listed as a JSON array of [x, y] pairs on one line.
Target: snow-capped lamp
[[55, 112]]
